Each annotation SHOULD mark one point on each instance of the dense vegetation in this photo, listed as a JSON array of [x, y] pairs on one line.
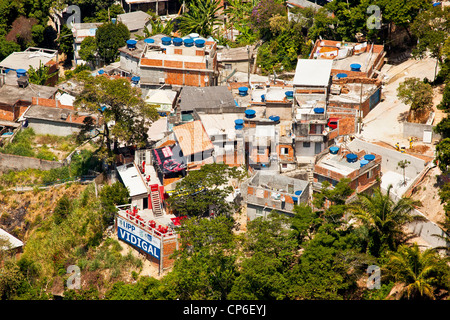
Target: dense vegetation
[[315, 254]]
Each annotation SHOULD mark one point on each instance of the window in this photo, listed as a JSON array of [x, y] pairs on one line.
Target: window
[[369, 174], [284, 151], [259, 212], [227, 66], [306, 144], [284, 165], [262, 150]]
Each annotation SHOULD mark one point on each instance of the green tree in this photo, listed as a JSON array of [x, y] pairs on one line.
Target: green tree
[[10, 280], [403, 164], [329, 266], [402, 13], [62, 209], [110, 37], [205, 267], [201, 18], [7, 47], [88, 50], [443, 154], [40, 75], [204, 189], [305, 222], [116, 100], [432, 28], [65, 41], [443, 127], [417, 94], [269, 252], [146, 288], [421, 273], [384, 219]]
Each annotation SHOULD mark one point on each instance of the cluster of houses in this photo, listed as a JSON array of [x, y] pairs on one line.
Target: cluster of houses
[[290, 135]]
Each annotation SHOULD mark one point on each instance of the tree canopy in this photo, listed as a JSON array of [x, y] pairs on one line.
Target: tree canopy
[[126, 117]]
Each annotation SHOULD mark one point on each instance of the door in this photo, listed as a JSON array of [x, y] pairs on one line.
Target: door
[[317, 148]]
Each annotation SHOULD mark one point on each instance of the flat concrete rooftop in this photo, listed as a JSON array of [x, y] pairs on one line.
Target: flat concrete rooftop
[[338, 164]]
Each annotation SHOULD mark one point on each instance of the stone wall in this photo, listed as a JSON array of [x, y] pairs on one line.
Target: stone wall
[[18, 163]]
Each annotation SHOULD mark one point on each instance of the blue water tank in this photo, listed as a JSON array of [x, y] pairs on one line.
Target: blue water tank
[[362, 163], [355, 67], [199, 43], [239, 124], [21, 72], [188, 42], [113, 20], [274, 118], [289, 94], [319, 110], [263, 98], [167, 41], [101, 71], [177, 42], [250, 113], [436, 4], [334, 150], [131, 44], [135, 79], [149, 41], [351, 157], [243, 91], [341, 75], [369, 157]]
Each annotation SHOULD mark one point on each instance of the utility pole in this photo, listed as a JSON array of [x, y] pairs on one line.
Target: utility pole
[[248, 69]]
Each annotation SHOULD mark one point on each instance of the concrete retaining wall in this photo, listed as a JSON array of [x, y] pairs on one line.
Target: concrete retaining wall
[[18, 163], [416, 130]]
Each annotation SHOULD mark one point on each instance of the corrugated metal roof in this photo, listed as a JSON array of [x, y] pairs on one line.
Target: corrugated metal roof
[[205, 98], [132, 179], [13, 241]]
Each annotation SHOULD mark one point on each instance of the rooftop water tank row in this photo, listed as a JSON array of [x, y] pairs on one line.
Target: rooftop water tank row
[[188, 42], [351, 157]]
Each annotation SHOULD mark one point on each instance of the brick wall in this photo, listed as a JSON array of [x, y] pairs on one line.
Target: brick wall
[[49, 103], [169, 247], [284, 157], [346, 126], [7, 113]]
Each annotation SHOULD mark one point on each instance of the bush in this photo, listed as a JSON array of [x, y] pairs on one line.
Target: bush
[[62, 209]]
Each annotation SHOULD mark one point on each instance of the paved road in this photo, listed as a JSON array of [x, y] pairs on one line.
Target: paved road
[[383, 123]]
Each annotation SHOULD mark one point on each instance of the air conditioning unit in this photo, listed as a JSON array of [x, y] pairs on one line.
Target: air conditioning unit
[[63, 116], [162, 80]]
